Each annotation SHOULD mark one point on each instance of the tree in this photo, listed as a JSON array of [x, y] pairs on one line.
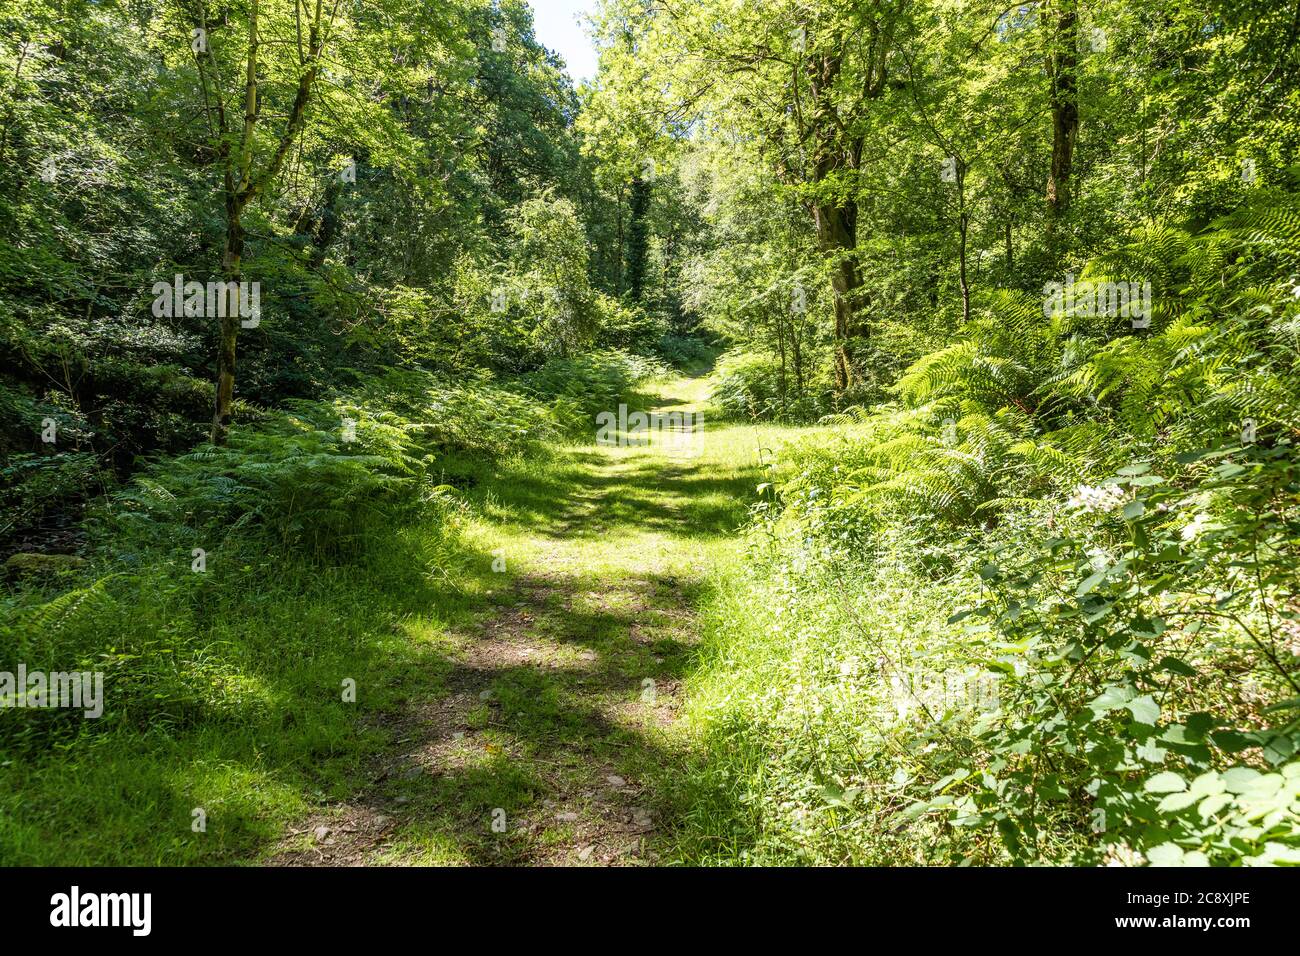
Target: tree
[[807, 80], [248, 161], [1062, 72]]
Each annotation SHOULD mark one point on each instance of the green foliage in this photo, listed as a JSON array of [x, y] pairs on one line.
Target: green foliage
[[1120, 629], [863, 208], [1142, 634], [295, 479], [473, 415], [749, 387], [577, 389]]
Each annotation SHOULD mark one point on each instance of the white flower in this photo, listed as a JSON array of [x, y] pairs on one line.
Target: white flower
[[1103, 498], [1120, 854]]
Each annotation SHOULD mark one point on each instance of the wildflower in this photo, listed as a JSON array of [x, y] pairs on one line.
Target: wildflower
[[1102, 498], [1121, 854]]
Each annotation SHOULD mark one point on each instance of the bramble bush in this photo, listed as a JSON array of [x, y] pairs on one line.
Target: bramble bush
[[1103, 519]]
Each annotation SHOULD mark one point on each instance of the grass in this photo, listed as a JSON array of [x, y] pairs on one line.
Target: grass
[[526, 690], [589, 655], [804, 752]]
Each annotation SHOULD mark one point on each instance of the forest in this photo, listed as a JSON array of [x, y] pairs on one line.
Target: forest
[[836, 433]]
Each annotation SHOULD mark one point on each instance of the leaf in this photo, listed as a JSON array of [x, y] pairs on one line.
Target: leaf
[[955, 777], [1166, 854], [1135, 509], [1090, 582], [1231, 740], [1175, 802], [1151, 753], [1279, 747], [1176, 666], [1239, 779], [915, 810], [1144, 709], [1167, 782], [1207, 784], [1275, 853], [1198, 724], [1111, 698], [1212, 805]]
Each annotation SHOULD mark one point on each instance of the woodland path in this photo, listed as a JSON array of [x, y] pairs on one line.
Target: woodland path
[[551, 732]]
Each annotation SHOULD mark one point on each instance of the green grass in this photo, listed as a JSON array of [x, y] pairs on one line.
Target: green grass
[[801, 755], [584, 655], [267, 732], [608, 552]]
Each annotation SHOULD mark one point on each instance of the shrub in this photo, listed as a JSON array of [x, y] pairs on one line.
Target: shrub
[[579, 388], [296, 481], [751, 387]]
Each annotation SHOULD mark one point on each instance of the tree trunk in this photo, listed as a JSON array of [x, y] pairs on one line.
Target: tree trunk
[[963, 229], [1063, 61], [836, 222], [620, 267], [836, 238], [780, 344], [242, 187], [231, 272], [637, 237], [963, 278]]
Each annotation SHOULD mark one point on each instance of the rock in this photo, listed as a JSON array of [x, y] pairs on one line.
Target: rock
[[403, 799], [614, 780], [321, 833], [641, 818], [31, 562], [585, 853], [485, 694], [566, 816]]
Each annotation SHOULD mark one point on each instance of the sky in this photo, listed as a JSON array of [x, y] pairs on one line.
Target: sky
[[557, 26]]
